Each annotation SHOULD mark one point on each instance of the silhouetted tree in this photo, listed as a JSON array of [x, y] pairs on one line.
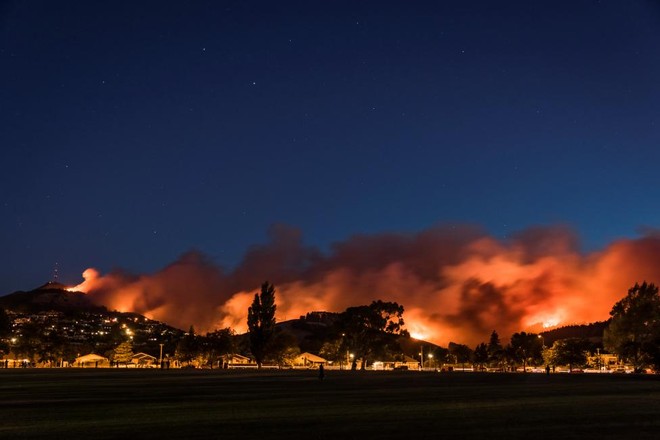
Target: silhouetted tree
[[29, 341], [51, 348], [440, 356], [4, 348], [219, 344], [283, 348], [69, 353], [571, 352], [653, 353], [495, 350], [481, 355], [462, 353], [371, 330], [333, 351], [261, 322], [509, 359], [634, 330], [189, 347], [527, 348]]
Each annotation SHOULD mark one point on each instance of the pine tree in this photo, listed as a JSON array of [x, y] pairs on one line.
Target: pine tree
[[481, 355], [188, 347], [495, 350], [261, 322], [123, 353]]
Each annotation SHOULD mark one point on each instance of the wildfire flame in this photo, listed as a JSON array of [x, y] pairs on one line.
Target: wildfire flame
[[90, 276], [456, 284], [550, 323]]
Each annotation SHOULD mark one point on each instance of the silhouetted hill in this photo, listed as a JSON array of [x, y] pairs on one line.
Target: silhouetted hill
[[315, 328], [80, 325], [50, 296], [310, 330], [592, 332]]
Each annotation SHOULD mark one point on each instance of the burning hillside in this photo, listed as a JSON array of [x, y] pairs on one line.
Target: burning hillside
[[456, 283]]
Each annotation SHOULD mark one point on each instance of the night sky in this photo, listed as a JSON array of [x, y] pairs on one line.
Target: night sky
[[131, 133]]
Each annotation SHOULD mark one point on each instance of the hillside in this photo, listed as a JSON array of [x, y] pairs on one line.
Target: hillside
[[68, 321], [315, 328], [593, 332], [50, 296], [310, 331]]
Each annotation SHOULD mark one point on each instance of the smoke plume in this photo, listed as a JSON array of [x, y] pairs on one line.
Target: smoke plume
[[456, 283]]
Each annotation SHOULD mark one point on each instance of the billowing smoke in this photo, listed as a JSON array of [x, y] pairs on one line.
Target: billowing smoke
[[456, 283]]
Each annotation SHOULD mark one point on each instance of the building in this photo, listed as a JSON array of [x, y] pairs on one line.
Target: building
[[239, 361], [406, 363], [144, 360], [91, 361], [308, 360]]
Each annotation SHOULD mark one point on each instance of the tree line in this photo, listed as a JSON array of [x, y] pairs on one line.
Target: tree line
[[374, 331], [362, 334]]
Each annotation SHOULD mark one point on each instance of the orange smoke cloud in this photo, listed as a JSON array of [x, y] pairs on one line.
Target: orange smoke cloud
[[456, 284], [91, 277]]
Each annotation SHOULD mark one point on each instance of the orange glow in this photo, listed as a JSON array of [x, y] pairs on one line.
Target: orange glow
[[418, 335], [455, 284], [544, 320], [550, 323], [89, 276]]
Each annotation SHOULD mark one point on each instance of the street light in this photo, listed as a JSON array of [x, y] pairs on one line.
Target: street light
[[431, 360], [341, 360], [540, 336]]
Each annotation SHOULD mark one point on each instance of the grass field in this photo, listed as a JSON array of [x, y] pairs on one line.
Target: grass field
[[140, 404]]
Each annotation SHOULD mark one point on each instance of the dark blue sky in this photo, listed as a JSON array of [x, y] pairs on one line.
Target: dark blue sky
[[132, 133]]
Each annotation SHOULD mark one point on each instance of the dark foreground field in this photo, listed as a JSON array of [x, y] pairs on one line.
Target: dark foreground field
[[140, 404]]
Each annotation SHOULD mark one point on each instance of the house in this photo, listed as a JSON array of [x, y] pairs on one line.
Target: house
[[91, 361], [144, 360], [406, 363], [308, 360], [238, 361]]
